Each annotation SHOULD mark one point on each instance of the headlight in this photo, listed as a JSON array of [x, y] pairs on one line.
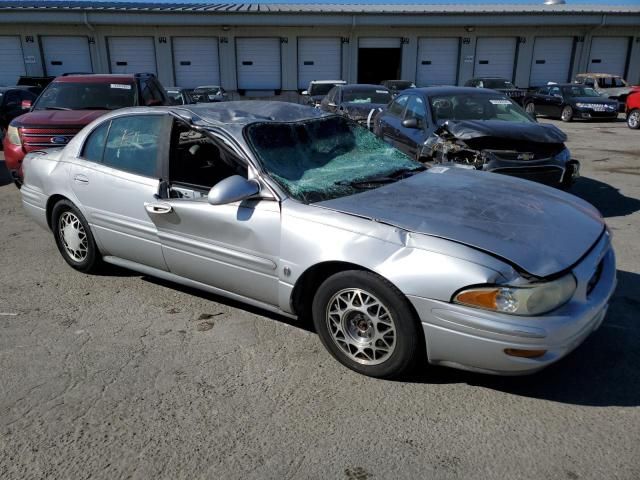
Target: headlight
[[564, 155], [534, 299], [13, 136]]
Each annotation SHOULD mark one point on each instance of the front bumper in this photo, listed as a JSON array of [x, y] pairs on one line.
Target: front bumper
[[13, 156], [473, 339], [589, 113]]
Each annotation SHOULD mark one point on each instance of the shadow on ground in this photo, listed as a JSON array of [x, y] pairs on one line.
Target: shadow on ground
[[603, 371], [605, 198]]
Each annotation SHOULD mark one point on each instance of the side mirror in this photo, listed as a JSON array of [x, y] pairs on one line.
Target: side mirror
[[305, 92], [25, 105], [232, 189], [410, 123], [331, 104]]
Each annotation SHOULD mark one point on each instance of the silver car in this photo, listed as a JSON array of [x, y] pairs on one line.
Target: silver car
[[307, 214]]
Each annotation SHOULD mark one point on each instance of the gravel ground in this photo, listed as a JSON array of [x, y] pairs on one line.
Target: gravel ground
[[124, 376]]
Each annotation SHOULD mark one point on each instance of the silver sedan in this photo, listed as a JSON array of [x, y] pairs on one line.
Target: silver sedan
[[307, 214]]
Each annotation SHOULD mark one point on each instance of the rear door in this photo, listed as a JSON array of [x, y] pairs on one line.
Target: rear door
[[114, 175]]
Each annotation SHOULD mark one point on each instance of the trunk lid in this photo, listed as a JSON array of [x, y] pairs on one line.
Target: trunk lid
[[541, 230]]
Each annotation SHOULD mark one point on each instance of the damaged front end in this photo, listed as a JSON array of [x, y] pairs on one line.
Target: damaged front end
[[539, 155]]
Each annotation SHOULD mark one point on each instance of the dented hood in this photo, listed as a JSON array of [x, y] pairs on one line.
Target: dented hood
[[530, 132], [541, 230], [58, 118]]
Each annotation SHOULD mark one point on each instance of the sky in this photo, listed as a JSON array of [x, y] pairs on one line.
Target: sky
[[387, 2]]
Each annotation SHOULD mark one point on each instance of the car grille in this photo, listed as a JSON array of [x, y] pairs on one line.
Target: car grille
[[39, 138], [512, 155], [548, 175]]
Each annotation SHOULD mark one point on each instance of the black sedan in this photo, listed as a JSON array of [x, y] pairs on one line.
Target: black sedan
[[179, 96], [11, 99], [359, 102], [499, 84], [570, 101], [476, 128]]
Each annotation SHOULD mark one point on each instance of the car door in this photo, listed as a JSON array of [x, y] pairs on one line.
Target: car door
[[410, 140], [556, 102], [542, 101], [391, 121], [115, 173], [233, 247]]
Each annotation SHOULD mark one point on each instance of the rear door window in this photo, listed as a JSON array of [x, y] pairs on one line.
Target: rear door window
[[133, 144]]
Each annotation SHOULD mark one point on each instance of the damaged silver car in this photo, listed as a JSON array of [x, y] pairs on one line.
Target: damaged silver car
[[308, 214], [478, 129]]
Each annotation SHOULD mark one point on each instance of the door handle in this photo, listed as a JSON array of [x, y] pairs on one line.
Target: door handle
[[79, 178], [158, 207]]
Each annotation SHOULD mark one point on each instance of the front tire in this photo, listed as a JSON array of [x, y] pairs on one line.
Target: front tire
[[530, 108], [567, 114], [633, 119], [74, 238], [367, 324]]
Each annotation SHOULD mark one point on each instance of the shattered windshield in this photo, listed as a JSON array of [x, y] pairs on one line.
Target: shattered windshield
[[325, 158], [379, 95], [476, 107]]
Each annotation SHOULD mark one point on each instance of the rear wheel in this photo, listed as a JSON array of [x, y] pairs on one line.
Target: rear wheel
[[633, 119], [367, 324], [567, 114], [74, 238], [530, 108]]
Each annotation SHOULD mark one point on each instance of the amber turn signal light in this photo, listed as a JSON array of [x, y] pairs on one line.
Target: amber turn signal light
[[479, 298], [516, 352]]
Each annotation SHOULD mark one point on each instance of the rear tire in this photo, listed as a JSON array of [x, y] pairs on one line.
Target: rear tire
[[633, 119], [567, 114], [74, 238], [367, 324]]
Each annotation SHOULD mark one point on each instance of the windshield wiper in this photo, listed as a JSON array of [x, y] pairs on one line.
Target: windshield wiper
[[56, 108], [374, 181]]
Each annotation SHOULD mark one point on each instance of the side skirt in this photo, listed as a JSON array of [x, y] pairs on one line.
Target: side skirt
[[171, 277]]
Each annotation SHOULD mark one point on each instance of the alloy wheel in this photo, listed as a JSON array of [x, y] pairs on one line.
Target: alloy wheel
[[361, 326], [73, 236], [634, 119], [567, 113], [530, 109]]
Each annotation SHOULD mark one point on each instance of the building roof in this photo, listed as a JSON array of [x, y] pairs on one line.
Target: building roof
[[336, 8]]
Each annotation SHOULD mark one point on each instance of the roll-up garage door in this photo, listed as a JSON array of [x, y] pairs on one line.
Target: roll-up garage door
[[609, 55], [551, 60], [132, 55], [66, 55], [196, 61], [258, 63], [495, 57], [11, 60], [437, 61], [319, 59]]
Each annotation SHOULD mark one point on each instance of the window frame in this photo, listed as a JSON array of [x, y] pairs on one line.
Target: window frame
[[397, 100], [425, 122]]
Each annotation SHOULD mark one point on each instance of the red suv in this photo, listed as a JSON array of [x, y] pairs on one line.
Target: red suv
[[633, 108], [68, 104]]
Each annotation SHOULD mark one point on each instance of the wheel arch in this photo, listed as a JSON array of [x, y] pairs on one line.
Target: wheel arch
[[51, 202]]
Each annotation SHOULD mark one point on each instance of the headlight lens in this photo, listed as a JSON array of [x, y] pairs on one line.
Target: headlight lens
[[534, 299], [564, 155], [13, 136]]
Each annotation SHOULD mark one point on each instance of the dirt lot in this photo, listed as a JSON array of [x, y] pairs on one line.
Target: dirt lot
[[123, 376]]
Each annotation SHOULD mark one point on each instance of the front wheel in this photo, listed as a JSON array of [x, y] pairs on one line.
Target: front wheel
[[74, 238], [567, 114], [367, 324], [633, 119]]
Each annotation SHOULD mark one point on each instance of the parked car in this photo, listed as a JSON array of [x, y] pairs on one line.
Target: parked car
[[179, 96], [569, 102], [476, 128], [499, 84], [396, 86], [359, 102], [607, 85], [295, 211], [209, 93], [633, 110], [317, 89], [33, 81], [11, 99], [69, 103]]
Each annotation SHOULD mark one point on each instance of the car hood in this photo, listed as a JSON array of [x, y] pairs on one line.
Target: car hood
[[530, 132], [540, 230], [598, 100], [57, 118]]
